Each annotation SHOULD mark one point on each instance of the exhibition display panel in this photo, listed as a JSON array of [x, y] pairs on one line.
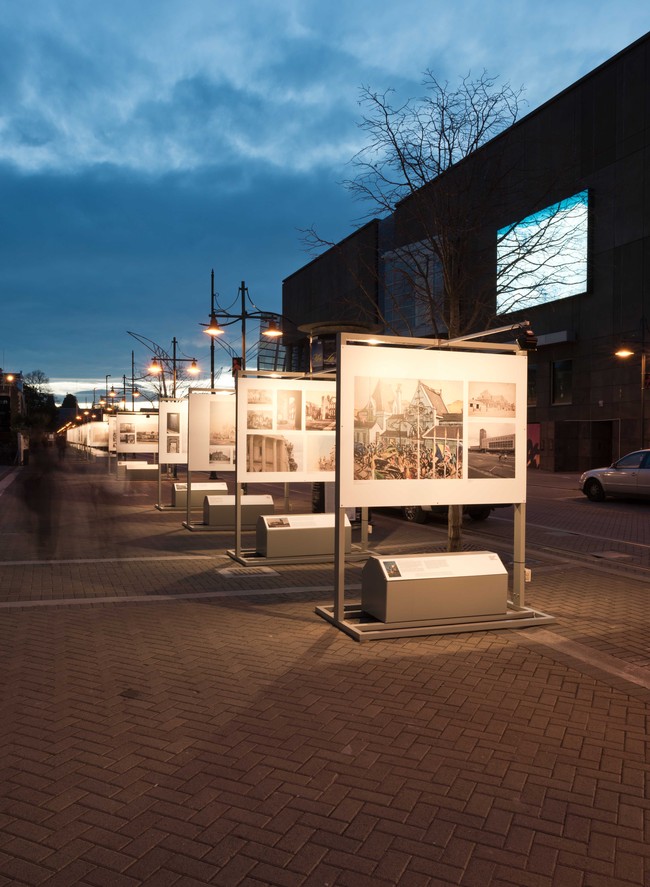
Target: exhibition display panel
[[211, 424], [286, 432], [211, 434], [286, 429], [136, 433], [172, 430], [422, 422]]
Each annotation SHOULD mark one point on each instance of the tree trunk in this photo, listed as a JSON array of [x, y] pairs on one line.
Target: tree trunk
[[454, 527]]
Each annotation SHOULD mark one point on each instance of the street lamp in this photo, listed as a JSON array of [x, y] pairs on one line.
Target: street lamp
[[625, 353], [156, 368], [220, 319]]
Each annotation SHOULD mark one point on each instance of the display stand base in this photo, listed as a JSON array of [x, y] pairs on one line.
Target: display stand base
[[362, 627], [250, 558]]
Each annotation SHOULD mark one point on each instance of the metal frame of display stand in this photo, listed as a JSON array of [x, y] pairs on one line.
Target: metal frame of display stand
[[350, 618], [159, 506]]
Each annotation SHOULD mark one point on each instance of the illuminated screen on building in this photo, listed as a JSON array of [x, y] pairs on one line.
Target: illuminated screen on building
[[544, 256]]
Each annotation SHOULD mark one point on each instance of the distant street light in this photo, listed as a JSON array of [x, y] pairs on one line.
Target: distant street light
[[156, 368]]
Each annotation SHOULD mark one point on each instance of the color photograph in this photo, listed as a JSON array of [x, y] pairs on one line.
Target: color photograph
[[491, 449], [407, 429]]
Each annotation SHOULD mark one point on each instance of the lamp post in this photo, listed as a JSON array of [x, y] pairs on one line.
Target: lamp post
[[215, 328], [625, 352], [103, 401], [134, 391], [156, 367], [112, 394]]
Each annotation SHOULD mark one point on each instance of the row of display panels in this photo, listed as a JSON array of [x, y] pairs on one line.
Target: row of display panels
[[415, 428]]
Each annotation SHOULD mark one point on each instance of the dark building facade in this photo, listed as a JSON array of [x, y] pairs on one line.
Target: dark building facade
[[572, 178]]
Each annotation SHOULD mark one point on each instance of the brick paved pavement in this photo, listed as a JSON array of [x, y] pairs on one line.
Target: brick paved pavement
[[170, 720]]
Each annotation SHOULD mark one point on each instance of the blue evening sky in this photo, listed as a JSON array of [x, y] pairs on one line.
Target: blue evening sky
[[145, 142]]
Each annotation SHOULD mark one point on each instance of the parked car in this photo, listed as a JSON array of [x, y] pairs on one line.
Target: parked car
[[420, 513], [629, 476]]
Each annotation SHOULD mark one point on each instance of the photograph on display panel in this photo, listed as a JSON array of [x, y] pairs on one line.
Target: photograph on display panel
[[321, 452], [172, 429], [491, 449], [407, 429], [173, 422], [221, 448], [492, 399], [289, 410], [320, 412], [270, 453], [211, 430]]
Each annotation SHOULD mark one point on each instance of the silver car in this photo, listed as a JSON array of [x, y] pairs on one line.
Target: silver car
[[629, 476]]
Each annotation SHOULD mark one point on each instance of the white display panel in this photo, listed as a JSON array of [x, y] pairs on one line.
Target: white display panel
[[286, 430], [98, 434], [422, 427], [172, 430], [211, 430], [136, 432], [90, 434]]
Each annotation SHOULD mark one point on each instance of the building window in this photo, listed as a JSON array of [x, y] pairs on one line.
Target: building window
[[532, 385], [413, 291], [562, 382]]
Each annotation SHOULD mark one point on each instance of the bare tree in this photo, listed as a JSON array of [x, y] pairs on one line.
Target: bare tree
[[429, 169]]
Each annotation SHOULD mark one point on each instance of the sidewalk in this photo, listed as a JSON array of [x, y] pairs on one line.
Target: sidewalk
[[171, 718]]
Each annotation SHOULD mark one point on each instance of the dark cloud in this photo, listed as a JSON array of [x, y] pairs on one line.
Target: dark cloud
[[94, 255]]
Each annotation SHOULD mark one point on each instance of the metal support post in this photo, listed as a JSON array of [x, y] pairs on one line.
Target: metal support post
[[519, 557]]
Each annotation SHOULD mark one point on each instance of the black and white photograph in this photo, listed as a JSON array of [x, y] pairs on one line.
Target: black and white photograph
[[259, 420], [321, 452], [320, 412], [174, 422], [221, 455], [147, 436], [127, 427], [289, 410], [173, 443], [407, 429], [222, 423], [260, 396], [274, 453], [277, 522], [127, 438]]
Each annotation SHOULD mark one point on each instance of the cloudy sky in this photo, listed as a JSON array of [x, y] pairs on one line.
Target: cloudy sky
[[145, 142]]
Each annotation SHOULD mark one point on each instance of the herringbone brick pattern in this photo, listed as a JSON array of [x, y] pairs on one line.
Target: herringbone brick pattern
[[237, 739]]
